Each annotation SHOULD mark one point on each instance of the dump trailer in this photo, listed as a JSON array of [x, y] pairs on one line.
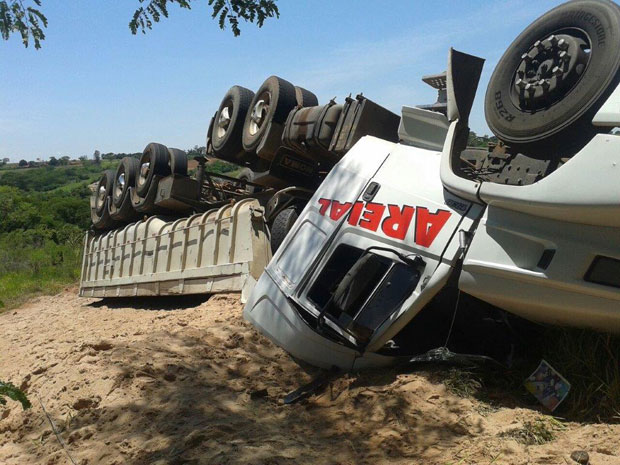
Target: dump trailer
[[222, 250]]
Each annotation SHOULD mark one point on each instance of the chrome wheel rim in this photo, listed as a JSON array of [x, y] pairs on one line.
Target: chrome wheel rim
[[259, 113], [120, 185], [144, 173], [223, 121], [101, 194]]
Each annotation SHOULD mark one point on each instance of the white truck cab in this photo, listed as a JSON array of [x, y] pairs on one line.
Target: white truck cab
[[393, 223]]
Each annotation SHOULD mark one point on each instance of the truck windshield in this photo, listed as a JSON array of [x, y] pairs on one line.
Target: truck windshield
[[359, 290]]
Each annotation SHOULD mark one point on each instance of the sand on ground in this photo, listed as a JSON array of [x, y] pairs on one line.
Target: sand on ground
[[188, 381]]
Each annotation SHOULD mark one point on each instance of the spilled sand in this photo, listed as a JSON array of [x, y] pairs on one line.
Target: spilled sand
[[188, 381]]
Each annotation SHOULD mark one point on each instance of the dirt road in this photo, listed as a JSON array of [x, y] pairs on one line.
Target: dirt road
[[178, 381]]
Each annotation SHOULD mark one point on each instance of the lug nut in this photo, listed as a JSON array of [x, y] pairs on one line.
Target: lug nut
[[553, 40], [539, 45], [527, 58], [562, 44], [557, 71], [520, 83]]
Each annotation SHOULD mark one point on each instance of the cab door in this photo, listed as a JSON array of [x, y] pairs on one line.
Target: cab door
[[312, 230]]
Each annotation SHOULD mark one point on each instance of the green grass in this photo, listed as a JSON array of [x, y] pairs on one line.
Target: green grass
[[537, 432], [17, 287], [590, 361], [463, 383]]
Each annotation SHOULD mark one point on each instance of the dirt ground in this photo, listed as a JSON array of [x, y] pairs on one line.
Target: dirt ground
[[187, 381]]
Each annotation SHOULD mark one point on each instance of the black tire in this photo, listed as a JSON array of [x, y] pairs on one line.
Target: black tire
[[556, 111], [305, 98], [104, 190], [124, 178], [178, 161], [209, 144], [228, 123], [282, 224], [158, 158], [279, 96]]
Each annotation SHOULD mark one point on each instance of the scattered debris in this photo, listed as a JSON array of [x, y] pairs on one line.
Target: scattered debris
[[312, 387], [580, 456], [548, 386]]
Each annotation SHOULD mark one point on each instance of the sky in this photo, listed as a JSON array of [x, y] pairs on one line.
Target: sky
[[95, 86]]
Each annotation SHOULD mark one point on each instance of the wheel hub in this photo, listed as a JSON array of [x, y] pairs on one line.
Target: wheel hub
[[101, 194], [549, 70], [259, 113], [120, 185], [223, 121], [144, 172]]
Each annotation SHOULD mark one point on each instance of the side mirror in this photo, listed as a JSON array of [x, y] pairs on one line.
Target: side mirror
[[463, 76]]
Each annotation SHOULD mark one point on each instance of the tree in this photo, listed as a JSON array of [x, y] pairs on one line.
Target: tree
[[64, 160], [23, 163], [29, 21], [53, 161], [97, 157], [196, 151], [5, 160]]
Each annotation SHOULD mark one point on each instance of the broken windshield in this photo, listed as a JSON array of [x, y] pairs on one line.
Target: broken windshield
[[359, 290]]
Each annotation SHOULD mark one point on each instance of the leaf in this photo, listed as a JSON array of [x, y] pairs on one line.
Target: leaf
[[25, 21], [10, 391]]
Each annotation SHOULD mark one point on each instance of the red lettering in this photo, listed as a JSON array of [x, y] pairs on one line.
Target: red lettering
[[325, 203], [371, 218], [339, 209], [397, 222], [356, 212], [428, 225]]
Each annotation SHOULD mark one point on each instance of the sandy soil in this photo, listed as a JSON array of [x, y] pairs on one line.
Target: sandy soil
[[189, 382]]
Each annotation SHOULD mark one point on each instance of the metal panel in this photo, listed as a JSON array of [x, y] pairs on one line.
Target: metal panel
[[222, 250]]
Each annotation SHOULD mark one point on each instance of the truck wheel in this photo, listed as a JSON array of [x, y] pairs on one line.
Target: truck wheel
[[555, 76], [178, 161], [273, 102], [305, 98], [246, 174], [124, 177], [104, 189], [228, 123], [155, 160], [282, 224]]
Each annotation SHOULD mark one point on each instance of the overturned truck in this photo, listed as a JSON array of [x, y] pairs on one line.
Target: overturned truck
[[402, 221]]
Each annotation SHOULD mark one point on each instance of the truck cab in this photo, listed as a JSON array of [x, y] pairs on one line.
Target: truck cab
[[395, 223]]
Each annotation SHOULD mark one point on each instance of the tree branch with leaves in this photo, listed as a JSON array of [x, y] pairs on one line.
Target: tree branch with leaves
[[25, 20], [28, 21]]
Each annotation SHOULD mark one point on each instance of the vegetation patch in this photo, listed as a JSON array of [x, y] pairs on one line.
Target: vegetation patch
[[462, 383], [590, 361], [539, 431]]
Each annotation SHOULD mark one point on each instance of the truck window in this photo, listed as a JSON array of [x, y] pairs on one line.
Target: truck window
[[359, 290]]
